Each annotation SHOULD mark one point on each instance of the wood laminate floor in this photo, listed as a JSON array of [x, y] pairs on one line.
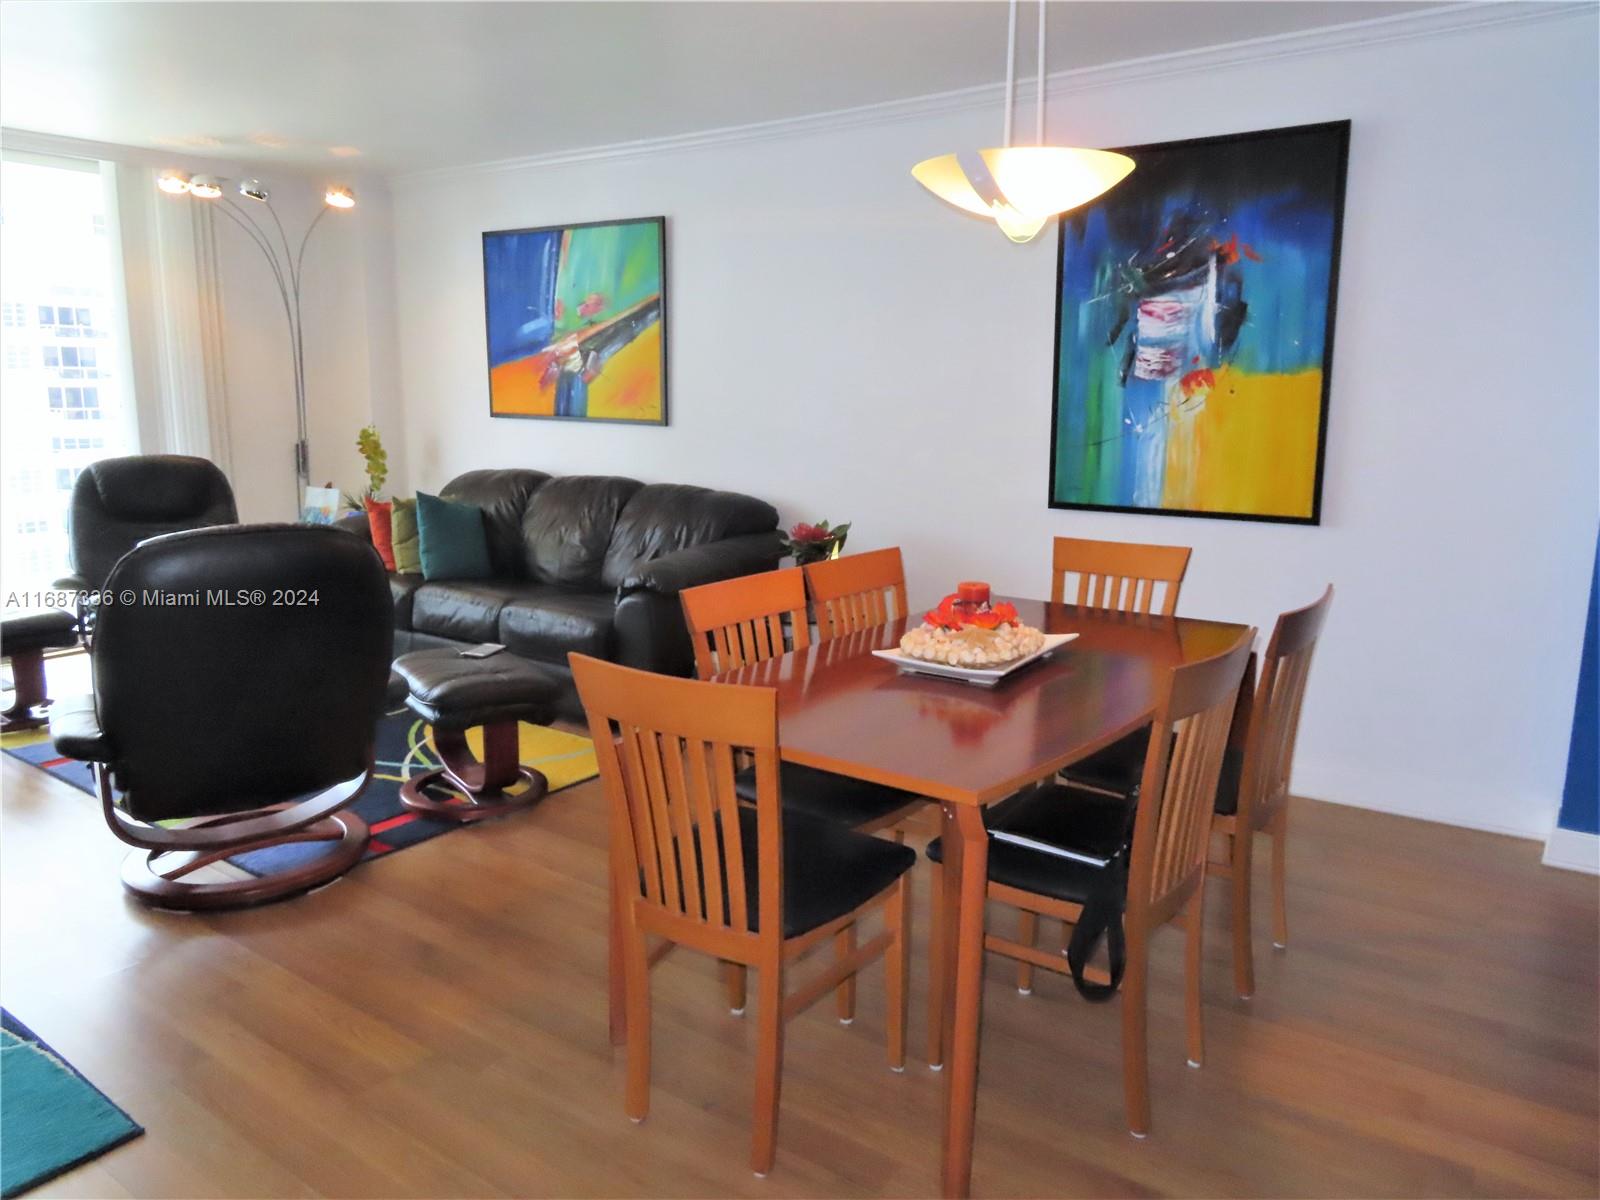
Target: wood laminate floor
[[435, 1025]]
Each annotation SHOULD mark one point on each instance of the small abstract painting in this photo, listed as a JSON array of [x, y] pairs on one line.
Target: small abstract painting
[[576, 321], [1194, 329]]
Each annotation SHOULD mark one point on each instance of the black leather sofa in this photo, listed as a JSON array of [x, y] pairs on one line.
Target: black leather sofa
[[592, 563]]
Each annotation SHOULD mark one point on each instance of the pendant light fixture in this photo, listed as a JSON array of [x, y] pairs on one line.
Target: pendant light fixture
[[1022, 187]]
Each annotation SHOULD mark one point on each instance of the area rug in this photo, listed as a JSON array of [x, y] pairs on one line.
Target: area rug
[[51, 1118], [405, 748]]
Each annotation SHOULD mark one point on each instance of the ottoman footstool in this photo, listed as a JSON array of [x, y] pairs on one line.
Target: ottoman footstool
[[24, 639], [455, 694]]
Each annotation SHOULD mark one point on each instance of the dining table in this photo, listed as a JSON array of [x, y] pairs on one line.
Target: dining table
[[963, 746]]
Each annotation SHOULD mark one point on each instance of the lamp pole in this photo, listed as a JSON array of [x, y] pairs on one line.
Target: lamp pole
[[287, 268]]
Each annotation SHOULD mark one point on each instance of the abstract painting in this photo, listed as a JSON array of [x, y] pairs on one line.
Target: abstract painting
[[1194, 329], [576, 321]]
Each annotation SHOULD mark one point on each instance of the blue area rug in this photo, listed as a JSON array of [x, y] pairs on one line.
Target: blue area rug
[[403, 749], [51, 1118]]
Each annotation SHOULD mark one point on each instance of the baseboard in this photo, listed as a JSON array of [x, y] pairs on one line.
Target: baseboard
[[1573, 851], [1427, 798]]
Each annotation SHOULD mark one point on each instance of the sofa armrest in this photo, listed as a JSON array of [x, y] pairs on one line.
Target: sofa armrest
[[708, 563], [356, 523], [75, 730]]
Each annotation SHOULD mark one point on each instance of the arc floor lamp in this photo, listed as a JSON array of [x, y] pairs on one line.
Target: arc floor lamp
[[286, 271]]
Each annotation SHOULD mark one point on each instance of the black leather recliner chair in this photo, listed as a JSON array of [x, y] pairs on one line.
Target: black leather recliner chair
[[118, 502], [242, 683]]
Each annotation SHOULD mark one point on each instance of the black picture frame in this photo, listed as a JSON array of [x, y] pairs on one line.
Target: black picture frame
[[660, 223], [1339, 133]]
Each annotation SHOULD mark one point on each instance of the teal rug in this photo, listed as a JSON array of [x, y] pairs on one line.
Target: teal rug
[[51, 1118]]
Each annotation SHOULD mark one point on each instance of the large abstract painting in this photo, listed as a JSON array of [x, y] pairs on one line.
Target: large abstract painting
[[1194, 329], [576, 320]]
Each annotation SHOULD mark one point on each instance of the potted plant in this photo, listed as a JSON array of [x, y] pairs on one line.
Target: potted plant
[[377, 460], [813, 543]]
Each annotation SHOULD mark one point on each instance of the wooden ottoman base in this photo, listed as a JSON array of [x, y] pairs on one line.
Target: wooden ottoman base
[[483, 785]]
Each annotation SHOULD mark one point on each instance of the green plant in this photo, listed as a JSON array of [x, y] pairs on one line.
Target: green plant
[[377, 459]]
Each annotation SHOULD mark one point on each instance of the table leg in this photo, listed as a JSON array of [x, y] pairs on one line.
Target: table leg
[[966, 874]]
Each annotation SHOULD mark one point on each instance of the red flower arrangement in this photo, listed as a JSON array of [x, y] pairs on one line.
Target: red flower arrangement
[[957, 612], [813, 543]]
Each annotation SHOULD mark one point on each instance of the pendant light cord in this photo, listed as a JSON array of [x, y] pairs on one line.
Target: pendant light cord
[[1038, 132], [1011, 70]]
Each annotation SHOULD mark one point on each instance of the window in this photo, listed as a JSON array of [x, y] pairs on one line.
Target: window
[[65, 400]]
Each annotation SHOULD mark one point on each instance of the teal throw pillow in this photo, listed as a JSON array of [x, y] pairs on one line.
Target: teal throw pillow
[[453, 542]]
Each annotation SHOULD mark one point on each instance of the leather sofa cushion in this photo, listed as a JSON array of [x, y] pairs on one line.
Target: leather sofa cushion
[[663, 517], [503, 496], [403, 590], [547, 624], [568, 527], [466, 610]]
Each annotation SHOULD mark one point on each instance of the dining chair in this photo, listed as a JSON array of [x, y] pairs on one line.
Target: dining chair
[[738, 622], [1253, 794], [752, 884], [1068, 854], [853, 592], [1120, 576]]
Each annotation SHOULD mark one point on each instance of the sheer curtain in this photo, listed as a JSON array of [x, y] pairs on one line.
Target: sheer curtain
[[175, 319]]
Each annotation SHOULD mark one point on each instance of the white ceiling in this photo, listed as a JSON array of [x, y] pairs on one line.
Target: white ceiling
[[392, 87]]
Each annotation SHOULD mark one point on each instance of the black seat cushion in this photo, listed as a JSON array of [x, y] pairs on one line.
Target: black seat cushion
[[1228, 782], [827, 869], [38, 631], [1063, 818], [452, 692], [548, 623], [1117, 768], [837, 798], [1120, 766], [465, 610]]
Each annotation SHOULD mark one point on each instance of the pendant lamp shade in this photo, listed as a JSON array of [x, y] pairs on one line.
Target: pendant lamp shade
[[1019, 188], [1022, 187]]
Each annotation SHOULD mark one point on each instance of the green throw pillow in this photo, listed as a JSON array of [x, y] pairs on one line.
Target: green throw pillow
[[403, 531], [453, 543]]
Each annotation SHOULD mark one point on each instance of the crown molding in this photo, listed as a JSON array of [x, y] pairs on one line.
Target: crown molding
[[1463, 17]]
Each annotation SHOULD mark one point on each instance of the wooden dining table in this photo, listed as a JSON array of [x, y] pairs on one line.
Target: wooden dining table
[[963, 746]]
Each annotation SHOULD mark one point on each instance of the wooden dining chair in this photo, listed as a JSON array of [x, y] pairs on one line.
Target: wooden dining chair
[[1050, 852], [854, 591], [738, 622], [1120, 576], [693, 867], [1253, 796]]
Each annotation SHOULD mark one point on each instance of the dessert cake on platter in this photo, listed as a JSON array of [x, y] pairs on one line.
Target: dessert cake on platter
[[965, 630]]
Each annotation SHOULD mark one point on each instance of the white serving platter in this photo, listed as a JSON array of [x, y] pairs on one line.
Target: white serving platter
[[982, 676]]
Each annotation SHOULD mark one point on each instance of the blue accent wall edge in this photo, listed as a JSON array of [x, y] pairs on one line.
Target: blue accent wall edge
[[1580, 799]]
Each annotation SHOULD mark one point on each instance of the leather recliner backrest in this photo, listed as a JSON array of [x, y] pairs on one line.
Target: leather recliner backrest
[[241, 666], [118, 502], [664, 517], [568, 526], [504, 496]]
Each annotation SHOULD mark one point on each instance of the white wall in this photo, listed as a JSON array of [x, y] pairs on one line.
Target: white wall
[[847, 347]]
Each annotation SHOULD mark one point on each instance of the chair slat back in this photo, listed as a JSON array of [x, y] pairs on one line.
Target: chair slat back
[[666, 748], [1179, 786], [1275, 717], [740, 621], [1119, 576], [853, 592]]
